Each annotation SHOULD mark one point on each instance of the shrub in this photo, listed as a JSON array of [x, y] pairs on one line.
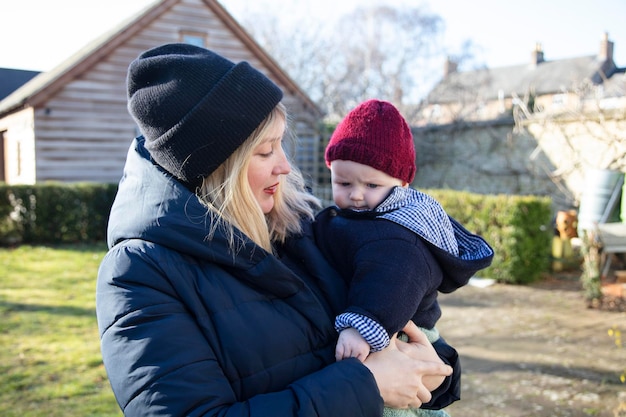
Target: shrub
[[517, 227], [54, 212]]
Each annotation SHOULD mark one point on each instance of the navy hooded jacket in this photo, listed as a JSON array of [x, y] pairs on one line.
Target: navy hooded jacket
[[188, 329], [398, 256]]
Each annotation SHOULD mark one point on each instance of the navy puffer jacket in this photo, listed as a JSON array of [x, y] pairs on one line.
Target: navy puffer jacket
[[189, 330]]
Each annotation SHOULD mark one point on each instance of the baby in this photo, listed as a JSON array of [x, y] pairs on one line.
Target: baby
[[395, 246]]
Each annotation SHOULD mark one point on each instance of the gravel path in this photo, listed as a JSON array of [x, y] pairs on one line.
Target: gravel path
[[535, 351]]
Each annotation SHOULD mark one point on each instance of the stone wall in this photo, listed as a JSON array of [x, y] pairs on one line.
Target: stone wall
[[540, 157], [485, 158]]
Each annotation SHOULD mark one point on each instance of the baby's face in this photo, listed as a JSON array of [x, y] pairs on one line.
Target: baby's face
[[360, 187]]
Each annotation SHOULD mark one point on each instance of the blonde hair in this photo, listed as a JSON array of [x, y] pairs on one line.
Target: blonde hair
[[232, 205]]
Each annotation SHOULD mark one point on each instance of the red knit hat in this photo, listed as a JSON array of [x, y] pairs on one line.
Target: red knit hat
[[375, 134]]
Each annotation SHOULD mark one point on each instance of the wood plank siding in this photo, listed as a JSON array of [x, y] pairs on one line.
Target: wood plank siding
[[81, 125]]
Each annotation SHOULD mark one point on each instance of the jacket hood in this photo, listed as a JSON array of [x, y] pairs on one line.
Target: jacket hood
[[459, 252], [153, 206], [474, 255]]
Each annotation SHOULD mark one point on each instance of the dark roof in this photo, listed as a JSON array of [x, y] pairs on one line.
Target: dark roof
[[12, 79], [547, 77]]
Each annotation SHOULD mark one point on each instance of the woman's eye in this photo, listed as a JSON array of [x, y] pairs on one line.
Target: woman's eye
[[266, 151], [269, 148]]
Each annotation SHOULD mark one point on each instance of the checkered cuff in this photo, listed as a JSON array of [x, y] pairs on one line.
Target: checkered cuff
[[373, 333]]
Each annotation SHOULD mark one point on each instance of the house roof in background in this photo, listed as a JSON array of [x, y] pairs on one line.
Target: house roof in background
[[12, 79], [547, 77]]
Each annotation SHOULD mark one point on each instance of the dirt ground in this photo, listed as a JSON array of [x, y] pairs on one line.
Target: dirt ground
[[536, 351]]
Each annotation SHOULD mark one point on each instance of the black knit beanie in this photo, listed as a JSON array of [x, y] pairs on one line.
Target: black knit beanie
[[195, 107]]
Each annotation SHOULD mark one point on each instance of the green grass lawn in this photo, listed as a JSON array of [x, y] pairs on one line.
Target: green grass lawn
[[50, 362]]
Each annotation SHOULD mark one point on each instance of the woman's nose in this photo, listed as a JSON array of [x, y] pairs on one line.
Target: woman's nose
[[282, 167]]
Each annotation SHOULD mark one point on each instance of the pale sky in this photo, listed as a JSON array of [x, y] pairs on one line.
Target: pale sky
[[39, 34]]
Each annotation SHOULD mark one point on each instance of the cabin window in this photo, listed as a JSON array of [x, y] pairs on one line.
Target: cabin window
[[194, 38]]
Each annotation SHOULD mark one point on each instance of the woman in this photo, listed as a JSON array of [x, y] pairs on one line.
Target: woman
[[213, 299]]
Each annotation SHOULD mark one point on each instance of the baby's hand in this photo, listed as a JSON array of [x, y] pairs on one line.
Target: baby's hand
[[351, 345]]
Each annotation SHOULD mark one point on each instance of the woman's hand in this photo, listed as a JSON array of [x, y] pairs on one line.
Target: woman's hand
[[400, 369], [419, 347]]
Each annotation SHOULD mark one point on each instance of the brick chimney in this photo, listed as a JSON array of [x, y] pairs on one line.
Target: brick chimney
[[536, 56], [606, 49], [449, 67]]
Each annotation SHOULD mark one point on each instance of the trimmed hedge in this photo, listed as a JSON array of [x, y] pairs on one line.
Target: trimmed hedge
[[519, 229], [52, 213]]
